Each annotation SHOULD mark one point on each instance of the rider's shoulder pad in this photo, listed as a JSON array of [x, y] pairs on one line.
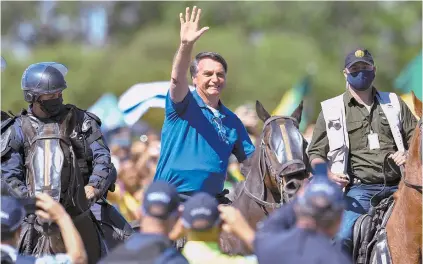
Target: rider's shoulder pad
[[7, 120], [6, 123], [93, 116], [90, 120], [8, 140]]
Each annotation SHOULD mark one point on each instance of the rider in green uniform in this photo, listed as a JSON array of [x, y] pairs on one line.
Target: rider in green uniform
[[367, 120]]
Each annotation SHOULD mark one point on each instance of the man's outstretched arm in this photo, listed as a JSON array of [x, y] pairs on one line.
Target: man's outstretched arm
[[189, 35]]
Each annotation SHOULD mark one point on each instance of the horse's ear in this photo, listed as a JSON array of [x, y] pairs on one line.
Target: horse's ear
[[298, 112], [261, 112], [417, 105]]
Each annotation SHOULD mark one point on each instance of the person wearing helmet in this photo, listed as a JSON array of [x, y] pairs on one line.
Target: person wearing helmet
[[57, 149]]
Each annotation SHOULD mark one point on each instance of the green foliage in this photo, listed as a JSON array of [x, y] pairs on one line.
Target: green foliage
[[269, 47]]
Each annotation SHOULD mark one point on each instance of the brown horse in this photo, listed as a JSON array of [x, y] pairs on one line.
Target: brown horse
[[274, 174], [404, 227]]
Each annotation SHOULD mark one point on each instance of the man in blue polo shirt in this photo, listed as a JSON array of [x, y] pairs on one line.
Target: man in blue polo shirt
[[199, 133]]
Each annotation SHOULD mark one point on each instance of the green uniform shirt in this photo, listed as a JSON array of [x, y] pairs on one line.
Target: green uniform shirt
[[364, 163]]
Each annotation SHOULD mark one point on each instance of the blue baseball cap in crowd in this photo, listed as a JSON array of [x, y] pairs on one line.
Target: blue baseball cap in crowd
[[200, 212], [321, 196], [12, 214], [358, 55], [161, 200]]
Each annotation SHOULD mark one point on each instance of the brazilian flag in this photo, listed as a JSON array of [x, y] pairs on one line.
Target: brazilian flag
[[292, 98], [410, 79]]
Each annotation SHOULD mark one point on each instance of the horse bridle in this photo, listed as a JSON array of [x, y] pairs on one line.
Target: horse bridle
[[268, 165], [416, 187]]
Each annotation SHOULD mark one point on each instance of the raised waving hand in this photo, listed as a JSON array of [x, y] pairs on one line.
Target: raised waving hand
[[190, 31]]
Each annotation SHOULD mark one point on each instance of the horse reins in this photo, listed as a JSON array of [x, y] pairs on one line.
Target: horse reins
[[263, 204], [416, 187]]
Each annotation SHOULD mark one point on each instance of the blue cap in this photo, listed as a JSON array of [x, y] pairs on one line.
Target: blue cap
[[200, 212], [321, 195], [12, 214], [358, 55], [160, 200]]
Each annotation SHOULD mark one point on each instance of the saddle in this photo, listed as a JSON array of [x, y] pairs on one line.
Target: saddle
[[369, 233]]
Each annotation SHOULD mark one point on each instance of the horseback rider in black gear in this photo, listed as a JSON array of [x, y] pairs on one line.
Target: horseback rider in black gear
[[58, 149]]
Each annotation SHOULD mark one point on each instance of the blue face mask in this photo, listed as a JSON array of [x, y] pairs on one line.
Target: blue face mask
[[361, 80]]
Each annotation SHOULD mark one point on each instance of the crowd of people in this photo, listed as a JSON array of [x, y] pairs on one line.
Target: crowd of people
[[136, 164]]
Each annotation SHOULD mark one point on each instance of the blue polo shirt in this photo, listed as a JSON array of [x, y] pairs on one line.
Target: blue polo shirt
[[196, 145]]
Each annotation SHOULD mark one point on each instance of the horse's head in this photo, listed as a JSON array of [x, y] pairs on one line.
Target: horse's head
[[284, 151]]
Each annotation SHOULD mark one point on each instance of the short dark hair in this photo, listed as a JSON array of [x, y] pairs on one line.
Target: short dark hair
[[206, 54]]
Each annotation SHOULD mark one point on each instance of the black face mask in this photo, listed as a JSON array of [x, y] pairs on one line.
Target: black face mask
[[52, 107]]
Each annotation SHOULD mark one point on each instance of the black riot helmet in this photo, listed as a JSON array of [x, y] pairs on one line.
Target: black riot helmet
[[43, 78]]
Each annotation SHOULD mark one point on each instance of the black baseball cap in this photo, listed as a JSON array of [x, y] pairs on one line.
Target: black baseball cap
[[161, 200], [321, 196], [357, 55], [12, 214], [200, 212]]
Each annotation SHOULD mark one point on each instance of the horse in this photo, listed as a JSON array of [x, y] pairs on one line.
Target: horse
[[274, 174], [391, 231], [404, 226]]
